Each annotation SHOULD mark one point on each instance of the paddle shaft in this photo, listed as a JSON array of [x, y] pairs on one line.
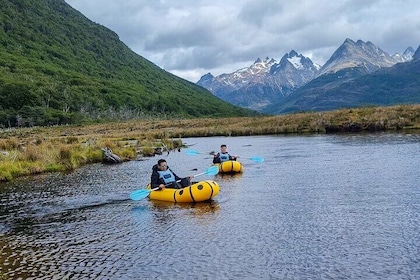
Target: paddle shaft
[[196, 175]]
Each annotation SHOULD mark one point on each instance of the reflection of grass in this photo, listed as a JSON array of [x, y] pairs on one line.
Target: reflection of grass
[[28, 151]]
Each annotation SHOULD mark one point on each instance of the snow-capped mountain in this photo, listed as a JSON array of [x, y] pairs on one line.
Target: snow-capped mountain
[[406, 56], [262, 83], [267, 82], [357, 85], [230, 82]]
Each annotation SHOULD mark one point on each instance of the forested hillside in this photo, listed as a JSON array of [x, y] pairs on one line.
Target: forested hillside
[[58, 67]]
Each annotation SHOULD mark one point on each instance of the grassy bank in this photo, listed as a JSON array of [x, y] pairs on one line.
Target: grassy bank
[[48, 149]]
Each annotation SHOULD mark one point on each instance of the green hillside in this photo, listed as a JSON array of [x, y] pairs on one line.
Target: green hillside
[[57, 67]]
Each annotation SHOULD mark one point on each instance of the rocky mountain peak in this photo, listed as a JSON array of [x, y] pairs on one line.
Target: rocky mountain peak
[[207, 76], [298, 61], [357, 54], [409, 52], [416, 55], [259, 67]]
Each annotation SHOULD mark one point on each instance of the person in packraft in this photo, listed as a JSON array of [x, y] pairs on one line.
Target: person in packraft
[[163, 177], [223, 155]]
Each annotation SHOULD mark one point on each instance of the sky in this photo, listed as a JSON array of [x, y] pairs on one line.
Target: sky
[[190, 38]]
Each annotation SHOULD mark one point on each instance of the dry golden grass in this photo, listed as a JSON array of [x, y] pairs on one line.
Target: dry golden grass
[[44, 149]]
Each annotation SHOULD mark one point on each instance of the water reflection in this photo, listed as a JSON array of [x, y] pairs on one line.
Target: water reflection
[[198, 208], [323, 206], [228, 176]]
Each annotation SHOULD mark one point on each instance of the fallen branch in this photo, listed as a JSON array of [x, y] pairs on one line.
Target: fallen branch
[[110, 157]]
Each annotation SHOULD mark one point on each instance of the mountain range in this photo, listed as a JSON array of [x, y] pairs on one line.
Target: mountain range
[[357, 74], [58, 67]]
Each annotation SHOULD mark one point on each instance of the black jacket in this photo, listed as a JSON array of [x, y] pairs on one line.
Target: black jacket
[[216, 159], [155, 180]]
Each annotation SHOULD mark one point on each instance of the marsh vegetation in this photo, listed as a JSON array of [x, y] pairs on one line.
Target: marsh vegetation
[[35, 150]]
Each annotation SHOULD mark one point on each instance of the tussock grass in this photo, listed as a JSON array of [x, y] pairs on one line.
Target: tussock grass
[[28, 151]]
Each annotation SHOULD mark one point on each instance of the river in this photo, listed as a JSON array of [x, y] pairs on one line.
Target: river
[[319, 207]]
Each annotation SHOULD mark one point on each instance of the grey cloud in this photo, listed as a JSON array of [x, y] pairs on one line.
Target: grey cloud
[[193, 37]]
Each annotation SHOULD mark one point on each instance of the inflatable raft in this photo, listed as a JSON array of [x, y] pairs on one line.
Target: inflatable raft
[[230, 166], [197, 192]]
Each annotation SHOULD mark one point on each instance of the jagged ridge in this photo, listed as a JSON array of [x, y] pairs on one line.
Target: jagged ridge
[[267, 82], [264, 82]]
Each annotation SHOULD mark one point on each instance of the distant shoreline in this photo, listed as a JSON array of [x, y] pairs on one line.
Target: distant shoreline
[[36, 150]]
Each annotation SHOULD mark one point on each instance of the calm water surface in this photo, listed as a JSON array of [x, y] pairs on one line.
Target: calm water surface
[[319, 207]]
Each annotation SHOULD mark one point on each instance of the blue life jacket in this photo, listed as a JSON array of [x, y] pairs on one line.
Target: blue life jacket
[[167, 176], [224, 157]]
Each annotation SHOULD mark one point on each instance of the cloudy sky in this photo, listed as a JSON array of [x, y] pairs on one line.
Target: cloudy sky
[[190, 38]]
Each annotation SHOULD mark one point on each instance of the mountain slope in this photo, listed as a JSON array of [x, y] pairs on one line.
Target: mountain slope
[[353, 87], [352, 54], [56, 66]]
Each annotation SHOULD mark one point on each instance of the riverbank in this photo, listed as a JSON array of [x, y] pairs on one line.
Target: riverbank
[[36, 150]]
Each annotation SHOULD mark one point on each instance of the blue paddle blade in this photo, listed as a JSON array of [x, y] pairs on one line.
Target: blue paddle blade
[[212, 170], [191, 152], [257, 159], [139, 194]]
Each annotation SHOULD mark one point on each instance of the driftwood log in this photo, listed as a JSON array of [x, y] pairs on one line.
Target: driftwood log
[[110, 157]]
